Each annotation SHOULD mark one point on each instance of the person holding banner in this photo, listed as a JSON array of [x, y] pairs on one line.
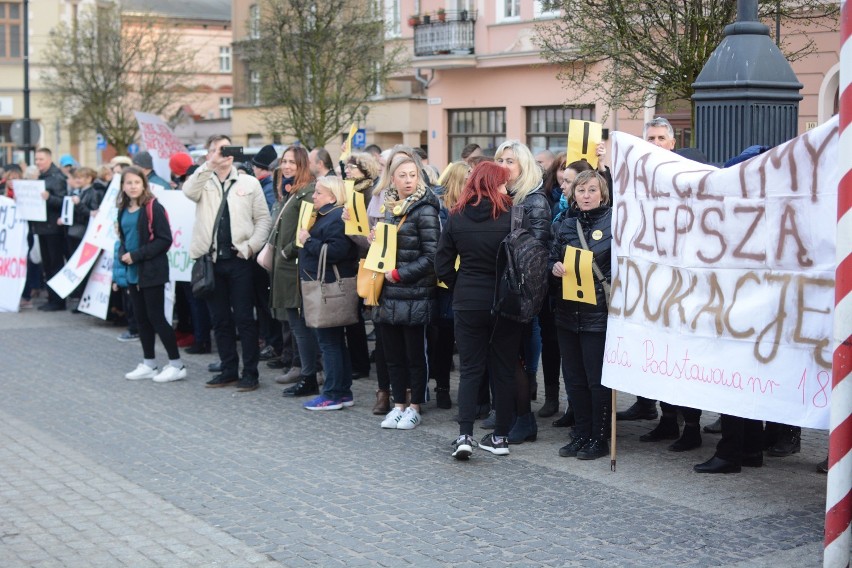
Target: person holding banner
[[407, 300], [581, 321], [478, 223], [328, 231], [527, 189], [51, 236], [295, 188], [144, 237]]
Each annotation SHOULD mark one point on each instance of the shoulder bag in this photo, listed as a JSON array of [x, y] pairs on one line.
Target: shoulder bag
[[329, 304], [203, 281], [264, 257]]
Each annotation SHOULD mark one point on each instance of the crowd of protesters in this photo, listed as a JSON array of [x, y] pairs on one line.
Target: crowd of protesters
[[438, 298]]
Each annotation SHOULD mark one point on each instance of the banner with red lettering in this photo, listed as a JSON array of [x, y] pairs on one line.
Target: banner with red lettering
[[723, 279], [159, 141], [13, 255]]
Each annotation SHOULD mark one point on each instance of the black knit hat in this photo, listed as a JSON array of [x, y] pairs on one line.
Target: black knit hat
[[265, 157]]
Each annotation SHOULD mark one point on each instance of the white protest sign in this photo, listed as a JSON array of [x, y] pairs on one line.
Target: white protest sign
[[13, 254], [159, 141], [181, 212], [103, 234], [67, 279], [67, 211], [29, 201], [723, 280], [95, 299]]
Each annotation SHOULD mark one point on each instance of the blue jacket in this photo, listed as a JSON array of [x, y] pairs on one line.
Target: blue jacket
[[328, 230], [266, 184]]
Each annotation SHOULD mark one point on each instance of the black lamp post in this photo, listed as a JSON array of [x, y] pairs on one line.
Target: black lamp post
[[747, 93]]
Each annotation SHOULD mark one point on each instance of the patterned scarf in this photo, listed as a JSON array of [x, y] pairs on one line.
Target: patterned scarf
[[399, 207]]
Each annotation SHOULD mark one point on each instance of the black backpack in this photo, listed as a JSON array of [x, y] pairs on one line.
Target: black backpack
[[522, 268]]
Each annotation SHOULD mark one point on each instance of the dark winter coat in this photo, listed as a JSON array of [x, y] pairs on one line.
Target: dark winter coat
[[412, 300], [537, 215], [268, 186], [150, 258], [578, 316], [90, 200], [57, 186], [475, 236], [328, 230], [284, 290]]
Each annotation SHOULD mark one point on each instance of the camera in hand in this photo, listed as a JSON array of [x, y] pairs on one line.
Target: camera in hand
[[235, 152]]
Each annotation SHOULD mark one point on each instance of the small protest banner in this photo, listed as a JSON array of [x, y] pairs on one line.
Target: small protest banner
[[583, 139], [181, 212], [13, 254], [159, 140], [103, 234], [382, 254], [29, 201], [67, 215], [306, 219], [357, 224], [723, 280]]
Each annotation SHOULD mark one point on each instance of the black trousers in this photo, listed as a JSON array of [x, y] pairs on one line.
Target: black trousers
[[232, 306], [52, 260], [740, 436], [149, 307], [486, 345], [441, 339], [690, 415], [382, 375], [582, 364], [405, 355], [356, 343], [551, 360]]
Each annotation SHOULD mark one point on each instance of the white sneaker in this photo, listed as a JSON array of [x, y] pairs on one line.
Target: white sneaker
[[170, 373], [409, 420], [392, 418], [142, 371]]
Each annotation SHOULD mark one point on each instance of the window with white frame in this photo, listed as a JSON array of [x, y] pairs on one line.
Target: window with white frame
[[393, 20], [254, 21], [508, 10], [225, 59], [254, 88], [541, 10], [483, 126], [225, 106], [547, 127]]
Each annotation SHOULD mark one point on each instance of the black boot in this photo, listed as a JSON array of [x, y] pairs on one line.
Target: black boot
[[640, 410], [689, 440], [789, 442], [667, 429], [566, 420], [306, 386], [549, 408], [595, 449], [442, 398], [524, 430]]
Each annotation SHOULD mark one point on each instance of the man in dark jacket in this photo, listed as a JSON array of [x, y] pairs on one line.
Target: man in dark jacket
[[51, 235], [261, 166]]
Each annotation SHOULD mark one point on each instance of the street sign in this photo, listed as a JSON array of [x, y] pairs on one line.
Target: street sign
[[101, 141], [133, 148], [16, 132], [360, 138]]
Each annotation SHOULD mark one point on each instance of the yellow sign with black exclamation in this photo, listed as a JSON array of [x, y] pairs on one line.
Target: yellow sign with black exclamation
[[306, 219], [583, 139], [578, 283], [357, 223], [382, 254]]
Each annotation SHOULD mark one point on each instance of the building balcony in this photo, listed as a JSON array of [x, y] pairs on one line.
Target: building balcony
[[446, 44]]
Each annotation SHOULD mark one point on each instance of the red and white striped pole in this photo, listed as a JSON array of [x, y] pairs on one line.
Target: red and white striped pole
[[838, 505]]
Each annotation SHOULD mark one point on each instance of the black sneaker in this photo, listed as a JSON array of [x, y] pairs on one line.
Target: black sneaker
[[463, 447], [499, 446], [442, 398], [221, 380], [306, 386], [198, 349], [593, 450], [267, 353], [575, 445], [276, 363], [248, 384]]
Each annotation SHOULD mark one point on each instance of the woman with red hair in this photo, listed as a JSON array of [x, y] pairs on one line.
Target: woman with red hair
[[478, 222]]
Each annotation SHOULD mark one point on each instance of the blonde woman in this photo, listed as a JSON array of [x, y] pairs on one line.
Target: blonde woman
[[329, 197], [527, 189]]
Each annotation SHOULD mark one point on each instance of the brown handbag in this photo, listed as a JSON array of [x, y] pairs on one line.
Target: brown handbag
[[370, 284]]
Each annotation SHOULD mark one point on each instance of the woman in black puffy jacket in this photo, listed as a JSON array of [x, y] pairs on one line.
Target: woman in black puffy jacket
[[527, 190], [581, 327], [407, 301]]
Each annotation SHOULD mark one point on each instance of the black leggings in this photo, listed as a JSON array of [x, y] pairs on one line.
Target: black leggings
[[405, 355], [149, 307]]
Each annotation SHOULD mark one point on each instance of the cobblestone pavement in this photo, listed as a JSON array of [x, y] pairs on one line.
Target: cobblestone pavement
[[99, 471]]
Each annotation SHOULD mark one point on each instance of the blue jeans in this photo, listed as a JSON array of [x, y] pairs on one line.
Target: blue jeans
[[337, 367], [306, 342]]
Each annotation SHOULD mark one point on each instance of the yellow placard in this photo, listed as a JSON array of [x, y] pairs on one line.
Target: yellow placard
[[578, 283], [306, 219], [382, 254], [357, 224], [441, 284], [583, 139], [347, 146]]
